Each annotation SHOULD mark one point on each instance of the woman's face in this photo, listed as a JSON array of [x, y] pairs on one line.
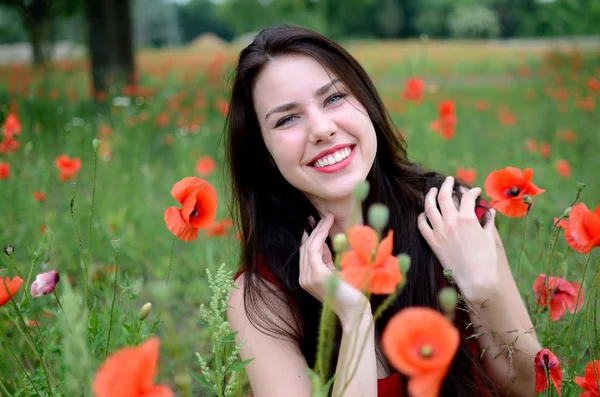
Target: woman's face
[[320, 137]]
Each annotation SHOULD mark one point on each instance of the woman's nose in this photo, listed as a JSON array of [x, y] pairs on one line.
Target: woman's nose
[[321, 127]]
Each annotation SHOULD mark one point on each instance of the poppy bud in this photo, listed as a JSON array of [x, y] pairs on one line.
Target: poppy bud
[[145, 310], [527, 199], [9, 250], [580, 186], [404, 263], [567, 212], [44, 283], [340, 243], [96, 143], [379, 214], [116, 243], [448, 300], [361, 191]]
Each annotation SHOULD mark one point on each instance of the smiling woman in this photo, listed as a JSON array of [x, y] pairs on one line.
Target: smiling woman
[[305, 126]]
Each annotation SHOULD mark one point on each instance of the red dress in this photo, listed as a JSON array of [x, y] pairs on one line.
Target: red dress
[[390, 386]]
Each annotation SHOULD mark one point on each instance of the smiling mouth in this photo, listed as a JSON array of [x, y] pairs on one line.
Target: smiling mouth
[[333, 158]]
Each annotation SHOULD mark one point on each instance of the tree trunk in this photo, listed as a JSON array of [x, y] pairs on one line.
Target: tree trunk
[[36, 36], [110, 40]]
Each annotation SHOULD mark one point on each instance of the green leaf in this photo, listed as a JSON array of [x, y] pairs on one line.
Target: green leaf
[[199, 378], [238, 366]]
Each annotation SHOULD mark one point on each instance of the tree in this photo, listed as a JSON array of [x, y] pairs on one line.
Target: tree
[[110, 40], [37, 16]]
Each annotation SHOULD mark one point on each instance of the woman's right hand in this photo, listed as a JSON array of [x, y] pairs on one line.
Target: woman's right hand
[[316, 266]]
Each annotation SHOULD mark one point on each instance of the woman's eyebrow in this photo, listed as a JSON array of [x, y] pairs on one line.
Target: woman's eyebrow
[[291, 105]]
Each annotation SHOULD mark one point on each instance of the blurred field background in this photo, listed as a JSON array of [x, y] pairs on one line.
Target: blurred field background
[[524, 76]]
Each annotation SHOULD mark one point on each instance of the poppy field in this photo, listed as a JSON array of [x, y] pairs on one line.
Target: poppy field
[[119, 249]]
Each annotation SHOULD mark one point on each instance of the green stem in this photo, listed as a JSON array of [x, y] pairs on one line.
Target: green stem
[[380, 309], [33, 341], [92, 211], [326, 331], [137, 331], [585, 266], [61, 308], [521, 250], [171, 259], [82, 255], [112, 306], [12, 261], [5, 340], [34, 262]]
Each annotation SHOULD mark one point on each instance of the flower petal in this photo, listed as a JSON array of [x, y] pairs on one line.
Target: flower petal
[[386, 277], [426, 385], [385, 248], [178, 226], [363, 240]]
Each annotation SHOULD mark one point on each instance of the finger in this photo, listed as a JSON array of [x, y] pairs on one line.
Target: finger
[[424, 228], [490, 225], [317, 240], [445, 200], [303, 256], [328, 257], [467, 201], [311, 220], [431, 211]]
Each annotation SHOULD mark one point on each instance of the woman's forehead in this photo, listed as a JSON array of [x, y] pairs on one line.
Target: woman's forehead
[[290, 78]]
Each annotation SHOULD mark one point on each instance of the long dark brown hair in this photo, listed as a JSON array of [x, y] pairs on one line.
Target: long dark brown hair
[[272, 214]]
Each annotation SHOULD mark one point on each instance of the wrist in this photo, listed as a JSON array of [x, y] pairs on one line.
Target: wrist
[[359, 318]]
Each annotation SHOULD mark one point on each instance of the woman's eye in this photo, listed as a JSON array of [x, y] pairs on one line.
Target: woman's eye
[[334, 97], [284, 120]]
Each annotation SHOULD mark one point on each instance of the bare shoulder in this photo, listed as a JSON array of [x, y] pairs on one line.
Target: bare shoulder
[[277, 368]]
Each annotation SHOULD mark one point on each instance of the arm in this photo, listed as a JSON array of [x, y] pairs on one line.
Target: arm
[[507, 332], [274, 356]]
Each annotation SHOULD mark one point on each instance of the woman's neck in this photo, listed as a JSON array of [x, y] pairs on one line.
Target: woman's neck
[[345, 214]]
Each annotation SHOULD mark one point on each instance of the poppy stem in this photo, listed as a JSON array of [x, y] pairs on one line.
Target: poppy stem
[[34, 261], [585, 267], [171, 259], [522, 249], [81, 254], [12, 261], [92, 209], [61, 308], [9, 348], [33, 342], [380, 309], [112, 306], [591, 343]]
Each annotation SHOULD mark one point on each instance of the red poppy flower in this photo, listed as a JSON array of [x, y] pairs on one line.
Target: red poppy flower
[[11, 126], [205, 166], [414, 89], [593, 84], [558, 295], [4, 170], [199, 208], [532, 145], [591, 382], [39, 196], [467, 175], [219, 228], [545, 150], [507, 187], [67, 166], [9, 145], [582, 230], [421, 343], [130, 373], [9, 288], [563, 168], [446, 122], [546, 363], [369, 267], [567, 136]]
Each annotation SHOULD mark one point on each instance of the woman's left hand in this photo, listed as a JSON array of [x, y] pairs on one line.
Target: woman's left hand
[[459, 241]]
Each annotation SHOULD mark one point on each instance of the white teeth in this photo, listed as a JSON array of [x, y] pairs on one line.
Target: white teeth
[[333, 158]]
